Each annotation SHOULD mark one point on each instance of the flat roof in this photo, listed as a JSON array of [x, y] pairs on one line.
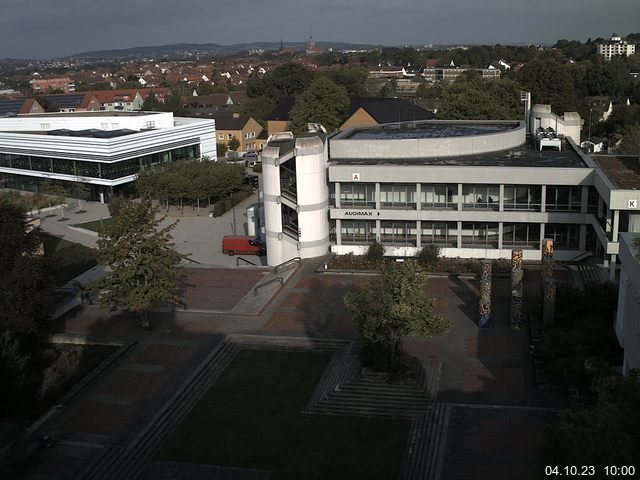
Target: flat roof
[[411, 130], [624, 172], [98, 113], [524, 156]]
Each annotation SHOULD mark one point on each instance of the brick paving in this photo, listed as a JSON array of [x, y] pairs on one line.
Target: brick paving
[[479, 367], [217, 289], [492, 443]]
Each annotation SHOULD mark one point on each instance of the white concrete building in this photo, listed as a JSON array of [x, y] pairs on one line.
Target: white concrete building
[[615, 47], [295, 196], [627, 324], [106, 150], [476, 189]]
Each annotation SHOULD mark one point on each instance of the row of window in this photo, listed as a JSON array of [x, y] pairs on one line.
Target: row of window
[[109, 171], [432, 196], [445, 234]]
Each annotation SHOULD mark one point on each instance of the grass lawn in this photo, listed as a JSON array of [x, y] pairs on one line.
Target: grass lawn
[[252, 417], [95, 225], [68, 259]]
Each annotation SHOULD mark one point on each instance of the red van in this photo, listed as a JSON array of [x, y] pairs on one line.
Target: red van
[[242, 245]]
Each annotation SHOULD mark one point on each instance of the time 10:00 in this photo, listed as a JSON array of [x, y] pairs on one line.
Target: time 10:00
[[588, 470]]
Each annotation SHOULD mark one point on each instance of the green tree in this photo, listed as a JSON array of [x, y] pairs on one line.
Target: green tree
[[605, 432], [13, 365], [631, 141], [287, 80], [471, 97], [233, 144], [258, 108], [550, 83], [221, 149], [25, 281], [81, 191], [375, 252], [151, 103], [389, 307], [353, 78], [142, 258], [323, 102]]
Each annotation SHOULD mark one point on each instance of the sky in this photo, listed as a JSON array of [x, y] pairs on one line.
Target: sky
[[56, 28]]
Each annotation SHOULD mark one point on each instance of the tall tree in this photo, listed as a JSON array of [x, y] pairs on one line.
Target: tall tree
[[391, 306], [471, 97], [353, 79], [143, 261], [287, 80], [258, 108], [323, 102], [549, 82], [25, 283]]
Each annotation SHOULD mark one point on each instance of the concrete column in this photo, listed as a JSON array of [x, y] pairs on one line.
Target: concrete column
[[608, 222], [616, 225], [377, 196], [541, 234], [543, 200], [337, 193], [612, 268], [500, 233], [418, 196], [418, 232], [459, 196], [501, 203], [582, 239], [584, 199], [378, 229], [338, 231], [459, 234]]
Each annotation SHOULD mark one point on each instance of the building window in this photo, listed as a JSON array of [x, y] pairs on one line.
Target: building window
[[290, 222], [523, 235], [479, 235], [397, 195], [41, 164], [563, 199], [229, 136], [481, 196], [221, 136], [438, 196], [398, 233], [522, 197], [357, 232], [444, 234], [361, 195], [564, 236]]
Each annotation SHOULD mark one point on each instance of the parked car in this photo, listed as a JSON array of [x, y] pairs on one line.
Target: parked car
[[242, 245], [250, 154]]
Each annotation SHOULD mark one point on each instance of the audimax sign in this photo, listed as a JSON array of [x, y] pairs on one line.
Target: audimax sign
[[361, 213]]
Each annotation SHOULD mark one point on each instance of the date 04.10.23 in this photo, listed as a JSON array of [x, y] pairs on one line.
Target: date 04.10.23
[[589, 471]]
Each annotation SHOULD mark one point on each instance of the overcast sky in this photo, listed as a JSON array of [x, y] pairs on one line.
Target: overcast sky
[[54, 28]]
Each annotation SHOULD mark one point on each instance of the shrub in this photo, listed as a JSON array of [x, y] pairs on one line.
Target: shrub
[[428, 256], [257, 168], [115, 204], [375, 253]]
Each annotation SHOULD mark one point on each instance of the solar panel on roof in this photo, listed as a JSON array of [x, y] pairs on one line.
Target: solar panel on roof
[[10, 106], [71, 100]]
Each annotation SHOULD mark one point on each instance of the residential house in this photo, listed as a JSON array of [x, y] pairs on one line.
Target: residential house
[[44, 85], [615, 47], [243, 128], [74, 102], [19, 106], [375, 111]]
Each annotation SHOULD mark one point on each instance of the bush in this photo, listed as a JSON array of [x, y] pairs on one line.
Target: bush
[[224, 205], [501, 265], [428, 256], [115, 204], [375, 254], [257, 168]]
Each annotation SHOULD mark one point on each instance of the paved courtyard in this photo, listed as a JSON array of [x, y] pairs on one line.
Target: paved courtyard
[[486, 378]]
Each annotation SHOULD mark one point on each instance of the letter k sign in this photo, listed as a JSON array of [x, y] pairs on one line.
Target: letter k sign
[[632, 204]]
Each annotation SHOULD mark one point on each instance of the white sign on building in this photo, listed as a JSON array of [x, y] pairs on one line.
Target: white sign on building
[[355, 177], [632, 204]]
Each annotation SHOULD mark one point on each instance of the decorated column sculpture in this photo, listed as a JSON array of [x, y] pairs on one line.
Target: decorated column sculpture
[[548, 286], [517, 277], [485, 294]]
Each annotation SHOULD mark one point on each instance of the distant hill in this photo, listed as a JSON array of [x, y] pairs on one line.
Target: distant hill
[[191, 49]]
